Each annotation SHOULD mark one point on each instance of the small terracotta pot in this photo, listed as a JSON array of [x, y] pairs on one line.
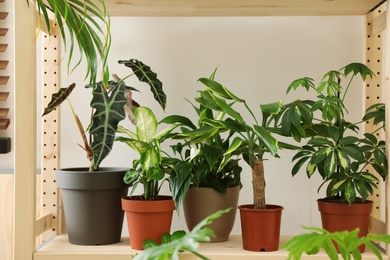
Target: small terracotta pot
[[340, 217], [202, 202], [260, 227], [147, 219]]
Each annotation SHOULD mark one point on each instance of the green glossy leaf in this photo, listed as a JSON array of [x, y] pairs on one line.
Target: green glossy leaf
[[268, 141], [87, 25], [131, 176], [220, 90], [350, 193], [310, 169], [352, 152], [156, 174], [180, 181], [108, 113], [320, 155], [146, 124], [298, 165], [145, 74], [343, 160], [330, 163], [149, 244], [177, 119], [58, 98], [358, 68], [166, 238], [305, 82]]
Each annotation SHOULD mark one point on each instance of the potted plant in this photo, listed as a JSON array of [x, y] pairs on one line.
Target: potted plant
[[255, 141], [348, 243], [207, 173], [335, 150], [148, 215], [94, 183]]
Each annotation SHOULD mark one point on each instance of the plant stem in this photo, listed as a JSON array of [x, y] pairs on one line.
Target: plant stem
[[258, 182]]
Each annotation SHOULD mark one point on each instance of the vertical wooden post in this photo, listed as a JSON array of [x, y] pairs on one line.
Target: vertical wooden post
[[25, 131], [387, 82], [50, 129], [373, 89]]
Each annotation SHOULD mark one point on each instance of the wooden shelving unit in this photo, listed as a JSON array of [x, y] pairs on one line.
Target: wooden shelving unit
[[26, 229], [60, 249]]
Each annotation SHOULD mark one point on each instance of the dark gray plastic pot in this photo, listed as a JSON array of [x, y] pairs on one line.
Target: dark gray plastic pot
[[92, 204]]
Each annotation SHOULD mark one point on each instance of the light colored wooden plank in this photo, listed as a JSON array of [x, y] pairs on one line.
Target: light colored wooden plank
[[60, 249], [238, 7], [25, 124], [43, 223], [6, 209], [387, 85], [50, 127], [4, 123], [377, 226], [379, 23], [372, 91], [4, 112], [4, 96]]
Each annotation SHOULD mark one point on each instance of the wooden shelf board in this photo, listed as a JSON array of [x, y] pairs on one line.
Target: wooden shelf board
[[60, 249], [238, 7], [4, 123]]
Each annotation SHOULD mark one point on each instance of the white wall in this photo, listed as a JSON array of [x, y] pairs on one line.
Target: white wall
[[257, 58]]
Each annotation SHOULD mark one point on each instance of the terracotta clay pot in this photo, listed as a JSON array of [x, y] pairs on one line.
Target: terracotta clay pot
[[260, 227], [147, 219], [92, 204], [340, 217], [202, 202]]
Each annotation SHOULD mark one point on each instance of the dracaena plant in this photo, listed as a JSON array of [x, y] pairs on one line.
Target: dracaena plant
[[252, 141], [334, 148], [110, 103], [205, 158], [151, 167]]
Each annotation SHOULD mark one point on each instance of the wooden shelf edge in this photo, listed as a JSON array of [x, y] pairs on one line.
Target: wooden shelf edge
[[60, 249], [238, 7]]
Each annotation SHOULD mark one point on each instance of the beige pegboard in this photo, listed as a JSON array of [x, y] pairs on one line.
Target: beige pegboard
[[373, 88], [50, 130]]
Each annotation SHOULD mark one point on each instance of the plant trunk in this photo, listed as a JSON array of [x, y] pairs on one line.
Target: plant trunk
[[258, 183]]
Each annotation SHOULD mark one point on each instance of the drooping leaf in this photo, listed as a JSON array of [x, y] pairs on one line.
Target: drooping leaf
[[58, 98]]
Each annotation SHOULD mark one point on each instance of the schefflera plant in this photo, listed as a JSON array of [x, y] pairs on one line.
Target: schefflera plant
[[110, 103], [334, 148]]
